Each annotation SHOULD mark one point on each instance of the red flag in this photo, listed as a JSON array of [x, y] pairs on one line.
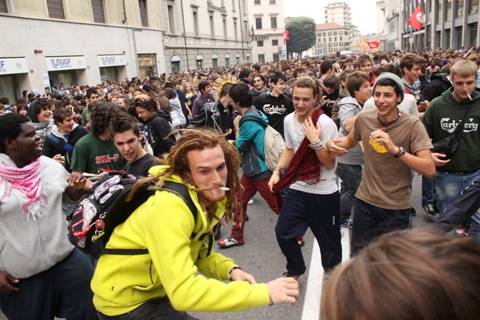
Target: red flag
[[415, 20], [373, 44], [286, 35]]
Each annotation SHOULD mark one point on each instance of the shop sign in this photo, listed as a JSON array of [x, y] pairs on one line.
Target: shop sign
[[13, 65], [111, 60], [65, 63]]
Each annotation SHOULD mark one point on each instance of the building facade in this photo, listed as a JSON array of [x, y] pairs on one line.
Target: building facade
[[47, 43], [331, 38], [446, 24], [338, 12], [205, 33], [267, 27], [389, 22]]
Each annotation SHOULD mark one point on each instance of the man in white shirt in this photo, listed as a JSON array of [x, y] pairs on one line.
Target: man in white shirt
[[313, 199]]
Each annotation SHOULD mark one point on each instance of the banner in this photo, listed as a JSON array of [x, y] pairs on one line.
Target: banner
[[286, 36], [415, 20], [373, 44]]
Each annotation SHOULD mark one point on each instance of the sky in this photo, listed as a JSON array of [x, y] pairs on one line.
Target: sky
[[363, 12]]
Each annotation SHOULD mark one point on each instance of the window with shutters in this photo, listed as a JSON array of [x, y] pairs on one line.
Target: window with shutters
[[258, 23], [3, 6], [98, 11], [273, 22], [235, 28], [196, 28], [171, 18], [55, 9], [225, 36], [212, 24], [143, 12]]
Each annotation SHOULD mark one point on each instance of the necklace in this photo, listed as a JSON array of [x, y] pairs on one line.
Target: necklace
[[386, 124]]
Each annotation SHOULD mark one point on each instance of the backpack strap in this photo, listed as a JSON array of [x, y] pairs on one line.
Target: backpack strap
[[181, 191]]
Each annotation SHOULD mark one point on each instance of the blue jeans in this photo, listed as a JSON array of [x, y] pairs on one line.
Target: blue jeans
[[449, 185], [447, 188], [351, 176], [428, 192], [474, 231]]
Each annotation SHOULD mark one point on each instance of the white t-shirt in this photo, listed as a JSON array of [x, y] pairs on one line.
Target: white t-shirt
[[294, 137]]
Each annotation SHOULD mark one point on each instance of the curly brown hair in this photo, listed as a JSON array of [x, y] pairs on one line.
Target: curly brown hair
[[412, 274]]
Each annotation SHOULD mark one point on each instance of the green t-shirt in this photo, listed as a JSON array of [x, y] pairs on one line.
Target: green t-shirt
[[441, 119], [93, 155]]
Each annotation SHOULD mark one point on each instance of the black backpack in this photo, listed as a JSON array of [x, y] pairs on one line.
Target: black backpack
[[108, 204], [213, 116]]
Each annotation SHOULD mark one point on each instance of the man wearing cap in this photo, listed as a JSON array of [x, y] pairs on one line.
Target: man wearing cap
[[394, 144]]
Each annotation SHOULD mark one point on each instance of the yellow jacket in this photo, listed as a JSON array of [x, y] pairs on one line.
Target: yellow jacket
[[176, 265]]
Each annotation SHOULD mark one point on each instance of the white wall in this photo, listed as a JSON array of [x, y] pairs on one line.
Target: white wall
[[266, 10], [21, 37]]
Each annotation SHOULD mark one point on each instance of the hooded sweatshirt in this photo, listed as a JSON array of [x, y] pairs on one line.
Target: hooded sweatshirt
[[441, 119], [348, 108], [252, 129], [173, 263]]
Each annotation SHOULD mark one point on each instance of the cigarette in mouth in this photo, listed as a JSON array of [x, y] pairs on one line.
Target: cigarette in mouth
[[220, 188], [469, 96], [154, 188]]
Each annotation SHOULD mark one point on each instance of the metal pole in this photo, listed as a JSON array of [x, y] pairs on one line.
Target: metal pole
[[241, 28], [185, 35]]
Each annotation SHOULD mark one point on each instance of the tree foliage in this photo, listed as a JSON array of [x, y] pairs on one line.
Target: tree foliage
[[301, 31]]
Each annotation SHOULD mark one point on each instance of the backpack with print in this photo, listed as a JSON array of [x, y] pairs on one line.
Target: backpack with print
[[108, 204], [274, 147]]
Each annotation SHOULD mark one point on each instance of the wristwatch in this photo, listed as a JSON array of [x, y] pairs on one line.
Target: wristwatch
[[401, 152]]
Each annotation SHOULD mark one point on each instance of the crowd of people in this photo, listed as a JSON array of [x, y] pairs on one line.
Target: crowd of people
[[356, 130]]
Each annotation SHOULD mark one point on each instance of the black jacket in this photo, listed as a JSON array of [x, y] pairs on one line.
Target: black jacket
[[438, 84], [56, 144], [158, 134]]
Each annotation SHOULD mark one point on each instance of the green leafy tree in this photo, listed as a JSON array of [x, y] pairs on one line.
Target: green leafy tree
[[301, 31]]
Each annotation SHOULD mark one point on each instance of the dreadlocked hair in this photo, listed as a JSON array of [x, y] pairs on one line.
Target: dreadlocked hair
[[200, 139]]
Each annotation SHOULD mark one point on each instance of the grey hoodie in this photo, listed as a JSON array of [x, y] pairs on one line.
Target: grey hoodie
[[348, 108]]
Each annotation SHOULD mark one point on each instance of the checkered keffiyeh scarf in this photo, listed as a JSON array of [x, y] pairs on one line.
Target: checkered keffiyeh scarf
[[25, 183]]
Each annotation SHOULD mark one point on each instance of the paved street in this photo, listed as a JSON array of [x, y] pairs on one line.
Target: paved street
[[261, 256]]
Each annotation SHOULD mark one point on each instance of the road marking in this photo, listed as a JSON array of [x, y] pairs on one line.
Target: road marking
[[313, 294]]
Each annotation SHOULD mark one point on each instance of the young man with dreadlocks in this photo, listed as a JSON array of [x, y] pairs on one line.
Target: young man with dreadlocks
[[173, 277]]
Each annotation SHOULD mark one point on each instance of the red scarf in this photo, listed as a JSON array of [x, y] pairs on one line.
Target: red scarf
[[305, 165]]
